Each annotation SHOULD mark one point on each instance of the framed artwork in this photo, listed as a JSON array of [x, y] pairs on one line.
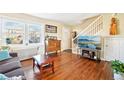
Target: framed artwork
[[50, 29], [74, 34]]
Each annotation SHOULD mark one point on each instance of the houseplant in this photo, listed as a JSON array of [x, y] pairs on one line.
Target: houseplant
[[118, 69]]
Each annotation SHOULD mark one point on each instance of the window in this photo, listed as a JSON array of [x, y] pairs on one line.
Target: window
[[17, 32], [34, 33], [0, 31], [13, 32]]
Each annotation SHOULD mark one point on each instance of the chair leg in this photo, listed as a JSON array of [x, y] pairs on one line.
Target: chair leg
[[53, 67], [33, 66], [53, 70], [41, 72]]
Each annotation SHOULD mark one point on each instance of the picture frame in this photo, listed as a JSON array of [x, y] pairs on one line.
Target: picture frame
[[50, 29]]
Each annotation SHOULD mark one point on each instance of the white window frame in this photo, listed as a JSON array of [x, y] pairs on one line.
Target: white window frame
[[25, 37], [41, 32], [0, 31], [3, 29]]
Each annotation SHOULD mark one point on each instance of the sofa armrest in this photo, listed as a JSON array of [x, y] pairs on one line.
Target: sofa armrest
[[13, 54]]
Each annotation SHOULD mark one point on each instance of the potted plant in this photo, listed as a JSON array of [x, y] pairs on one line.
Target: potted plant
[[118, 69]]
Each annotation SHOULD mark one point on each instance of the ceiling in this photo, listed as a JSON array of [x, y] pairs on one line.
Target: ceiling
[[66, 18]]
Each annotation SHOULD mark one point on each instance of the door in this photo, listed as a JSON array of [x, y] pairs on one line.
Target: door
[[107, 49], [112, 49], [66, 38], [116, 48]]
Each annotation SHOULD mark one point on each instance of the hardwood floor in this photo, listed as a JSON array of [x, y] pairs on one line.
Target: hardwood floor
[[69, 66]]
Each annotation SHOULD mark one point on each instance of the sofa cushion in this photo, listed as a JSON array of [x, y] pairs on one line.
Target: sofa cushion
[[4, 54], [13, 54], [9, 65], [14, 59], [16, 72], [12, 67]]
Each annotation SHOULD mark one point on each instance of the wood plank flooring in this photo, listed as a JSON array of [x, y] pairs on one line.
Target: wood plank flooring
[[69, 66]]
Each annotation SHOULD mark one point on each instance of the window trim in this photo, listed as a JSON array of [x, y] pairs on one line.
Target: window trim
[[26, 23], [29, 31], [3, 29]]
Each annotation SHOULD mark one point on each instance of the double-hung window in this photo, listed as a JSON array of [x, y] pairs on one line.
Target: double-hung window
[[34, 33], [13, 32], [17, 32]]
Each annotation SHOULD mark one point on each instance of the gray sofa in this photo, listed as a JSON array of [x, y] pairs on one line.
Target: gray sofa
[[12, 67]]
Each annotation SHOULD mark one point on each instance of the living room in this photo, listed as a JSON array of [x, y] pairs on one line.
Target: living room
[[61, 46], [27, 37]]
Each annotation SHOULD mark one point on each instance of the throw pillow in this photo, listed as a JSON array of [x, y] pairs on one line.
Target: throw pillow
[[15, 78], [3, 77], [4, 54]]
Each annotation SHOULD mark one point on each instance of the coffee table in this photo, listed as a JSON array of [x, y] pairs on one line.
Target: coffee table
[[43, 62]]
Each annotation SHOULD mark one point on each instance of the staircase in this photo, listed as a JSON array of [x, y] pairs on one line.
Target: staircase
[[93, 29]]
